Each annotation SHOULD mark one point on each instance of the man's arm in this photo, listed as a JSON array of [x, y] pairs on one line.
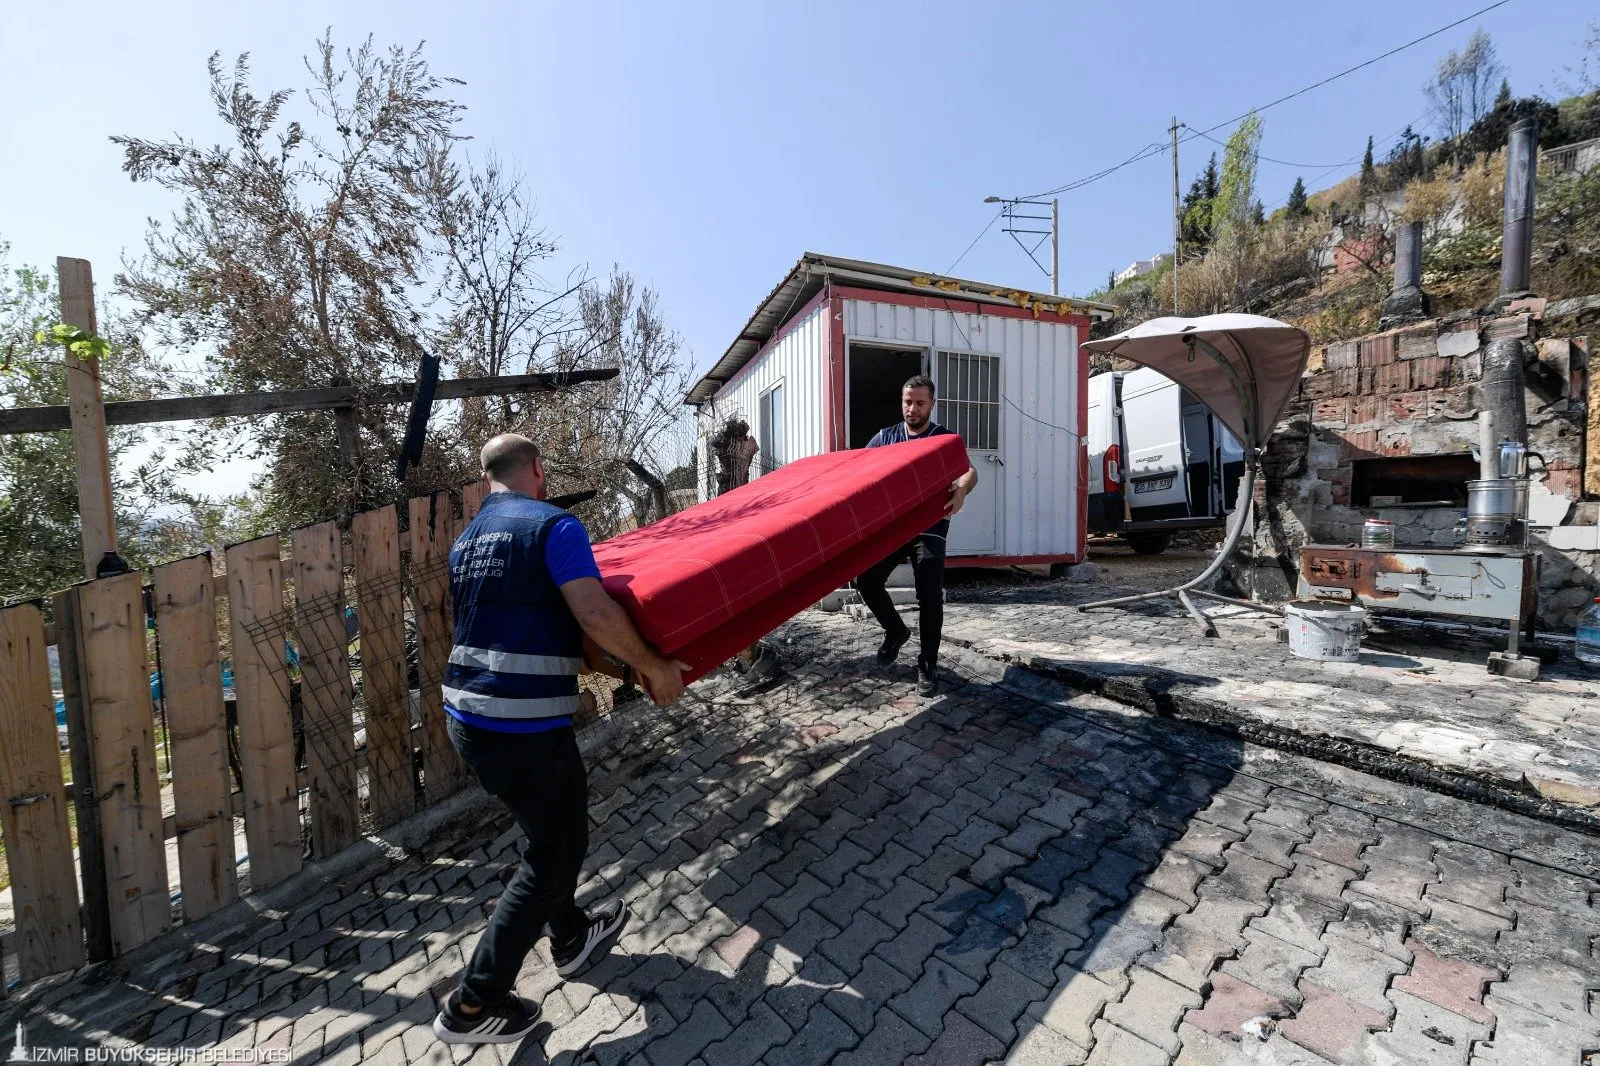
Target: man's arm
[[959, 490], [609, 626]]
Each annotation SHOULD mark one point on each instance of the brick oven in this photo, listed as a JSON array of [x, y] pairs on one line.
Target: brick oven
[[1385, 426]]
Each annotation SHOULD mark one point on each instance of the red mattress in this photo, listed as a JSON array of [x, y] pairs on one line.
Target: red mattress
[[707, 582]]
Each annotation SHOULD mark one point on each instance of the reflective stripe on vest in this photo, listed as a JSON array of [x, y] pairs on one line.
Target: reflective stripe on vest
[[505, 707], [510, 662]]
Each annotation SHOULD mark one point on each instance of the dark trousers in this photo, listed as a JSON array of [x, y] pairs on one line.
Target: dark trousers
[[926, 555], [541, 777]]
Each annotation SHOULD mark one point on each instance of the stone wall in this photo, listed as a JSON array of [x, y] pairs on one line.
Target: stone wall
[[1416, 391]]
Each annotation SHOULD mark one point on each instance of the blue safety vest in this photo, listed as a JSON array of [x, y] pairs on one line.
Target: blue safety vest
[[518, 650]]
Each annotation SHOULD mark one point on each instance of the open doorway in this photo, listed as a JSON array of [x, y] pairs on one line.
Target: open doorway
[[876, 374]]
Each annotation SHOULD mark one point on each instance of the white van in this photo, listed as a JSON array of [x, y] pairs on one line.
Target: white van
[[1159, 460]]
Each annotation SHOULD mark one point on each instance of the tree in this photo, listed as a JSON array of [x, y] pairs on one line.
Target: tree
[[304, 254], [625, 435], [1368, 182], [1297, 207], [1406, 162], [1236, 190], [1490, 133], [41, 547], [1194, 232], [1461, 89]]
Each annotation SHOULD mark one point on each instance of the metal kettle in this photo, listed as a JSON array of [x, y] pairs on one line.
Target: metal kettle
[[1514, 456]]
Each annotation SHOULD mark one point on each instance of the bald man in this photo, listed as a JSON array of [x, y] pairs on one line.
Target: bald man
[[527, 598]]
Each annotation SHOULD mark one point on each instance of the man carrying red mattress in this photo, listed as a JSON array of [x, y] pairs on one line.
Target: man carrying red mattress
[[925, 554], [528, 599]]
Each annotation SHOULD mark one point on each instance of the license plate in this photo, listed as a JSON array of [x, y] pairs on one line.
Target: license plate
[[1153, 485]]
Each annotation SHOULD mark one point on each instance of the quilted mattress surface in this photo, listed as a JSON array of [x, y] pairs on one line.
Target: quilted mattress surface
[[707, 582]]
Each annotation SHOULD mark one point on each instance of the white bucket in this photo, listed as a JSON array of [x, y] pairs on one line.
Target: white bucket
[[1327, 631]]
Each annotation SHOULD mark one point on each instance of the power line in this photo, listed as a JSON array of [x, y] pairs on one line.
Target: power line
[[1269, 159], [975, 241], [1160, 148]]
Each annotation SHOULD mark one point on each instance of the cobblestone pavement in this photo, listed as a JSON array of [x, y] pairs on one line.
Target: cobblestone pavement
[[833, 871], [1419, 706]]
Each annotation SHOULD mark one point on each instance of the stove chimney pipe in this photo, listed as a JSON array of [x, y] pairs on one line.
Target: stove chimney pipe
[[1407, 302], [1516, 259]]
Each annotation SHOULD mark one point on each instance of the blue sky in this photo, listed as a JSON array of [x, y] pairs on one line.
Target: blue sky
[[706, 145]]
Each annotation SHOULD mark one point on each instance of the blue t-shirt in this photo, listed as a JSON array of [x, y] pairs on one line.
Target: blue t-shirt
[[568, 556], [567, 552], [897, 434]]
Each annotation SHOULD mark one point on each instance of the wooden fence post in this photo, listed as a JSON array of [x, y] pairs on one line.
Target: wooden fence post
[[90, 454], [325, 695], [432, 529], [266, 731], [197, 723], [33, 809], [91, 852], [380, 599], [122, 736]]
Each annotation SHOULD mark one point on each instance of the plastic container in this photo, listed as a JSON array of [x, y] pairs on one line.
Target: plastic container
[[1588, 649], [1330, 632], [1377, 533]]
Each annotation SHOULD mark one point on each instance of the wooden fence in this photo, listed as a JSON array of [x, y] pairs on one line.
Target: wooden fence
[[336, 726]]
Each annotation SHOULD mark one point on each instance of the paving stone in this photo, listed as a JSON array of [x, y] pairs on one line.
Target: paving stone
[[1298, 921], [927, 1001], [823, 1036], [974, 947], [1040, 951], [867, 992], [840, 905], [1358, 973], [1072, 1008], [960, 1043], [1425, 1034], [1115, 1046], [909, 950], [755, 1036], [1002, 997], [1551, 988], [891, 1039], [796, 998], [702, 1027], [1331, 1025], [1272, 965], [1039, 1045], [1231, 1006], [1454, 984], [1152, 1008]]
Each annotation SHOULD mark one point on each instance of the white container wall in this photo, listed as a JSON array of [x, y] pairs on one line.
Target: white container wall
[[1036, 504], [797, 364]]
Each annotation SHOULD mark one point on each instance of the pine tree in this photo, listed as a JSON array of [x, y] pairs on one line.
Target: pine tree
[[1297, 207], [1195, 223], [1504, 96], [1369, 174]]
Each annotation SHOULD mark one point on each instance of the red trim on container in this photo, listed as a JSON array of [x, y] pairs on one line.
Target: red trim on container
[[966, 561], [1083, 441], [837, 363]]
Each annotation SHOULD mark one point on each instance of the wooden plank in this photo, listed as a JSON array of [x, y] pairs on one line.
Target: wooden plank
[[325, 692], [86, 417], [246, 404], [122, 738], [257, 622], [91, 849], [385, 698], [432, 531], [191, 684], [472, 496], [33, 803]]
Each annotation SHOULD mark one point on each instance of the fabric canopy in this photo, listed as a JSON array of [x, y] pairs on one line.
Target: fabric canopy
[[1260, 367]]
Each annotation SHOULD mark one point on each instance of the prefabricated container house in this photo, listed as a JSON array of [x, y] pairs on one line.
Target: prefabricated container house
[[819, 366]]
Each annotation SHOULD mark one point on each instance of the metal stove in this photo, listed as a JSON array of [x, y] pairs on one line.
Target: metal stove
[[1481, 581]]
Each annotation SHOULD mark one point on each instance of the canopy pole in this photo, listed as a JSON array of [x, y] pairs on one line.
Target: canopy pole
[[1181, 592]]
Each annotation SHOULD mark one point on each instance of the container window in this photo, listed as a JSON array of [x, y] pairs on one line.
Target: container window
[[969, 397]]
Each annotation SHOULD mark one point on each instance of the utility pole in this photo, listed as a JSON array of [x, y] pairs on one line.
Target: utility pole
[[1055, 247], [90, 455], [1177, 214]]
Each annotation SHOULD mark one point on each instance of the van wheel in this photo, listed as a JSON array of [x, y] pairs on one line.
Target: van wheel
[[1149, 543]]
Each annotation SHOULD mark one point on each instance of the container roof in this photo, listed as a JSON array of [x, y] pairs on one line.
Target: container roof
[[814, 270]]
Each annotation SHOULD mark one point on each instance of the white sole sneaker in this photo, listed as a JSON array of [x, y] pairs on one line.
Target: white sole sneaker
[[603, 929], [491, 1027]]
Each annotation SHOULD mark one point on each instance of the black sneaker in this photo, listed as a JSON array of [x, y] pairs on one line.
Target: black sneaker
[[892, 643], [603, 929], [503, 1023], [927, 680]]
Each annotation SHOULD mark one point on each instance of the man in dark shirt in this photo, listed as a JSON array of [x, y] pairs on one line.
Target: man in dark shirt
[[530, 615], [925, 554]]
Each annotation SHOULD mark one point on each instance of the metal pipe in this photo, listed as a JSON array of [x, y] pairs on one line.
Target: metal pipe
[[1055, 247], [1503, 392], [1406, 302], [1488, 447], [1516, 259]]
